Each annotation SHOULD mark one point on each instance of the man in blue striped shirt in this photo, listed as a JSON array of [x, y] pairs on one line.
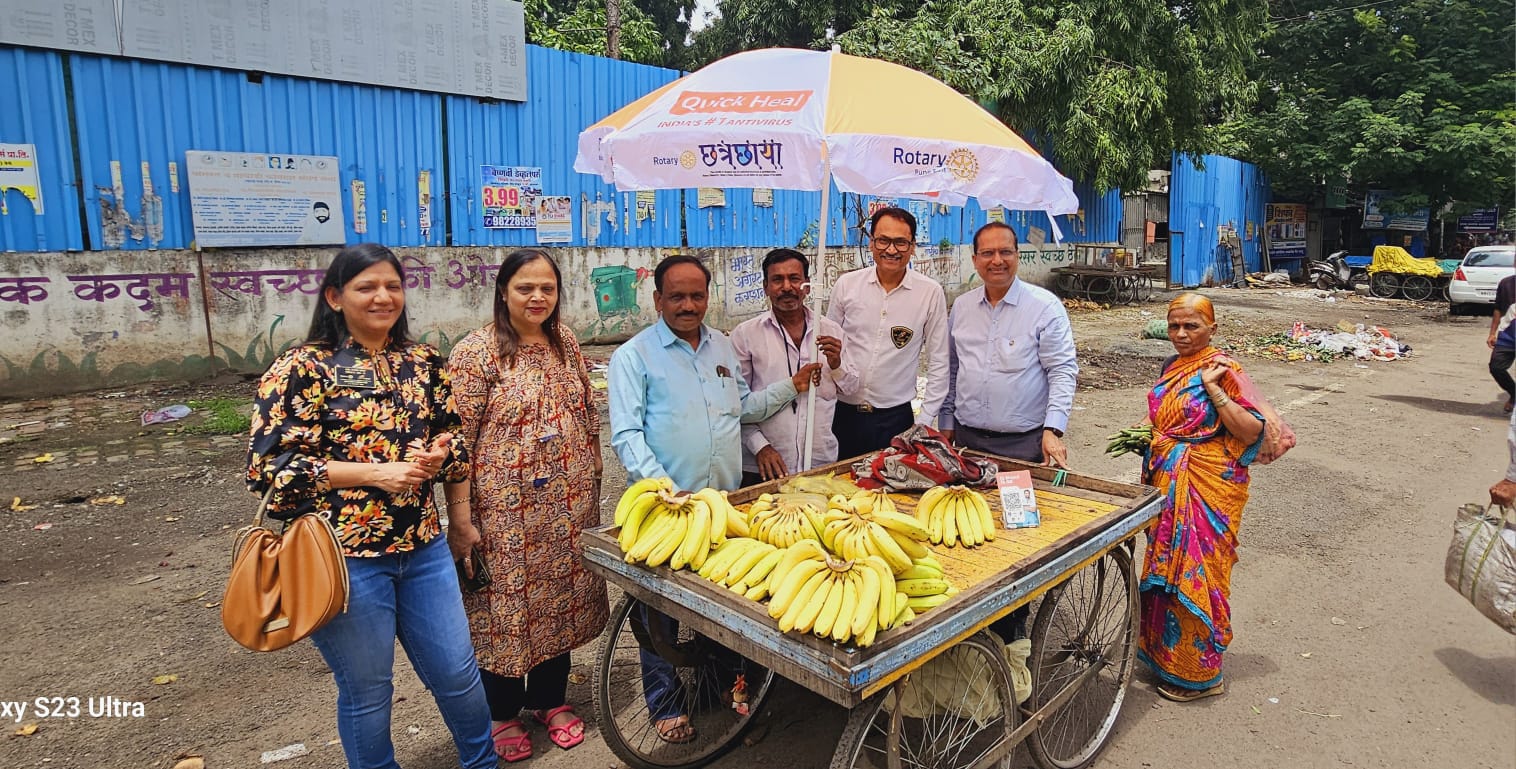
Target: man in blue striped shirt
[[1011, 363]]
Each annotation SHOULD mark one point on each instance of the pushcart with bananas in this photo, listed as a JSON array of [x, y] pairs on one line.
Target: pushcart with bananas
[[936, 693]]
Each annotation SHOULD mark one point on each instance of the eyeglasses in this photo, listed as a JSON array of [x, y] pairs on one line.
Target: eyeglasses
[[1006, 254], [891, 244]]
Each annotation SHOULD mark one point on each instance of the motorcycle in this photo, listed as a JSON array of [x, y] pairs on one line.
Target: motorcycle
[[1333, 272]]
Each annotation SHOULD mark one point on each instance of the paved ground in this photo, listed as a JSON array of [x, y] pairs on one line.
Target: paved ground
[[1350, 649]]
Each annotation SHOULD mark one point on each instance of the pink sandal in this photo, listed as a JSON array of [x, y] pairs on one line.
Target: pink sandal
[[562, 734], [512, 748]]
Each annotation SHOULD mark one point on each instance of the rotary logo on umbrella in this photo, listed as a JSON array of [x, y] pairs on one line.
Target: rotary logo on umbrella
[[962, 164]]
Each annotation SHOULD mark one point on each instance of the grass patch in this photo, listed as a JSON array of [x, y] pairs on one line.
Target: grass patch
[[223, 416]]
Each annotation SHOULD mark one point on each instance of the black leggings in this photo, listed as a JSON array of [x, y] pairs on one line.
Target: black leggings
[[544, 687]]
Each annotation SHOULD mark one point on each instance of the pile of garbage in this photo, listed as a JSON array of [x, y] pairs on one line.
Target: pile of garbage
[[1360, 341]]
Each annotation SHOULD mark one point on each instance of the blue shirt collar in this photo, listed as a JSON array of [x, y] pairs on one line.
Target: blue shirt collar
[[1012, 295], [667, 338]]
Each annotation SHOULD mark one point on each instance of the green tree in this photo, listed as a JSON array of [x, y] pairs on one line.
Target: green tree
[[1110, 87], [1412, 96], [579, 26], [748, 24]]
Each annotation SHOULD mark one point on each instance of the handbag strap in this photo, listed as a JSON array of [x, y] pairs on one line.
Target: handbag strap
[[263, 506]]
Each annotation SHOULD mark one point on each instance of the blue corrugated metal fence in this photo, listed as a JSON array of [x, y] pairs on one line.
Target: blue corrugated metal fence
[[34, 110], [1225, 193]]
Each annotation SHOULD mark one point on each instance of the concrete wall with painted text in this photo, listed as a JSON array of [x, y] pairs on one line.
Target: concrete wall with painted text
[[76, 321]]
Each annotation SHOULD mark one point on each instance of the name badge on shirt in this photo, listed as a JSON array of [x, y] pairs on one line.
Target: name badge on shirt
[[356, 377]]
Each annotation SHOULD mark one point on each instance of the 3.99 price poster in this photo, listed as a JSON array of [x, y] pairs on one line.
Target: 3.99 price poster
[[510, 196]]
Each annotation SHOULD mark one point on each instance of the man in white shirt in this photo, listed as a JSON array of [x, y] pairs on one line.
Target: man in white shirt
[[772, 347], [890, 315], [1011, 358]]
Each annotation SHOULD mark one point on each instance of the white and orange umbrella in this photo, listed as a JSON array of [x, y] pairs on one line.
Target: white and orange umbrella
[[786, 118]]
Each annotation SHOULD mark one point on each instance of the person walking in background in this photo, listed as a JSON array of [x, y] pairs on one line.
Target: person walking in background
[[890, 317], [1205, 434], [529, 416], [1502, 340], [772, 347], [356, 425]]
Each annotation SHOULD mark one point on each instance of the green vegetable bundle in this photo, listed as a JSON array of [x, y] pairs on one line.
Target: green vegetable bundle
[[1131, 440]]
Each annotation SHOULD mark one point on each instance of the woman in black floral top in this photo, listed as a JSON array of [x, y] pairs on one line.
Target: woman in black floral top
[[357, 425]]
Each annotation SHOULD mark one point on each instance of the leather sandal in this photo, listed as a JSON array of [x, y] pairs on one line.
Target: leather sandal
[[1178, 694], [677, 730], [512, 747], [562, 734]]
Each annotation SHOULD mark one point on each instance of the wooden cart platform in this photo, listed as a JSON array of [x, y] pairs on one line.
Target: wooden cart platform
[[1081, 520]]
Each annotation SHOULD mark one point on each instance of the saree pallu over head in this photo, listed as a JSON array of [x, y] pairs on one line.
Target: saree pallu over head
[[1202, 470]]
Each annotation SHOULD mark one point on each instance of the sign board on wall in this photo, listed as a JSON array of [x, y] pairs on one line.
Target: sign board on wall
[[1480, 220], [509, 196], [468, 47], [71, 25], [18, 171], [1284, 226], [246, 199], [1374, 218]]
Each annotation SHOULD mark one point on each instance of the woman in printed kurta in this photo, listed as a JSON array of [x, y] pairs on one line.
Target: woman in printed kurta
[[1205, 434], [356, 425], [529, 415]]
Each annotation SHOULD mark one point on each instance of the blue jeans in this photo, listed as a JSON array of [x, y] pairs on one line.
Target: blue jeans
[[413, 596]]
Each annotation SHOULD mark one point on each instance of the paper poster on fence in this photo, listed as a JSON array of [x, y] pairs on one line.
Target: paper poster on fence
[[248, 199], [555, 219], [509, 196], [18, 171]]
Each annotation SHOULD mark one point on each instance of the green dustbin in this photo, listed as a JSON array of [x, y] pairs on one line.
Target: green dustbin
[[615, 290]]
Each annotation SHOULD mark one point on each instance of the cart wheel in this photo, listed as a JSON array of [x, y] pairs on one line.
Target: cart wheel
[[1325, 282], [1384, 284], [934, 728], [1098, 288], [1066, 286], [706, 672], [1144, 288], [1090, 621], [1416, 287]]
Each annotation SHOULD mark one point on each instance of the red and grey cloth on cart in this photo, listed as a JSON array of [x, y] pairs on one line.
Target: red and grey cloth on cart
[[921, 458]]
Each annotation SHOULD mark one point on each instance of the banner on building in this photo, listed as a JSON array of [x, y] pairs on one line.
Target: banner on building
[[1376, 218], [248, 199], [1478, 220], [1284, 226], [18, 171], [509, 195]]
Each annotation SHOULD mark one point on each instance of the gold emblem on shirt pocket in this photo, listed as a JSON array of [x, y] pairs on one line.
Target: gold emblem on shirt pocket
[[901, 336]]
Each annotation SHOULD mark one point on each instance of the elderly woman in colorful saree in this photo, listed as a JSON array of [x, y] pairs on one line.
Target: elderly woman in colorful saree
[[1206, 431]]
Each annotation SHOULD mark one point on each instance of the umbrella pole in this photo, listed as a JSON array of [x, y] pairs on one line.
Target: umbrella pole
[[817, 269]]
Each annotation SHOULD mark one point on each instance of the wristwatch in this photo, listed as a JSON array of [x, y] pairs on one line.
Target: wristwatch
[[1054, 431]]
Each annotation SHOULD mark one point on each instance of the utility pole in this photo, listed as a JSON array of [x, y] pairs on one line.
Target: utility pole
[[613, 28]]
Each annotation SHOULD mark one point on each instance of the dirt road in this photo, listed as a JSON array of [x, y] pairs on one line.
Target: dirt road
[[1349, 651]]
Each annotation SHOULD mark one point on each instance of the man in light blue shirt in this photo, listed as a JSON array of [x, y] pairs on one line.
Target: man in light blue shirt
[[678, 401], [1011, 362], [677, 396]]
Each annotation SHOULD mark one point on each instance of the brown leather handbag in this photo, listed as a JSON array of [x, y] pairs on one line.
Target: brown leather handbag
[[283, 586]]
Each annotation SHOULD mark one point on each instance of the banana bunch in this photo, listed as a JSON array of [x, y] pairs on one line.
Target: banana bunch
[[660, 526], [869, 500], [893, 537], [1130, 440], [781, 522], [742, 565], [923, 585], [956, 515], [841, 600]]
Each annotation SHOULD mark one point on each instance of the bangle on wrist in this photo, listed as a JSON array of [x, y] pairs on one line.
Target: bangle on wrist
[[458, 501]]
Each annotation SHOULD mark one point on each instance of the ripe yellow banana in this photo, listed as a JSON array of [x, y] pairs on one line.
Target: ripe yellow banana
[[919, 571], [950, 520], [918, 587], [968, 520], [697, 537], [817, 602], [842, 621], [868, 601], [902, 524], [822, 624], [794, 581], [986, 518], [727, 558], [906, 615], [745, 563], [887, 548], [635, 518], [653, 531], [760, 570], [923, 602], [633, 493], [912, 548], [804, 599], [671, 541]]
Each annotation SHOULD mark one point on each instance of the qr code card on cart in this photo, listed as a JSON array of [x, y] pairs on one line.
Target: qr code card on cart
[[1018, 500]]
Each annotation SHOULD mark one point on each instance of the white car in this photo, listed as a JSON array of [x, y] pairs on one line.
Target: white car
[[1473, 285]]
